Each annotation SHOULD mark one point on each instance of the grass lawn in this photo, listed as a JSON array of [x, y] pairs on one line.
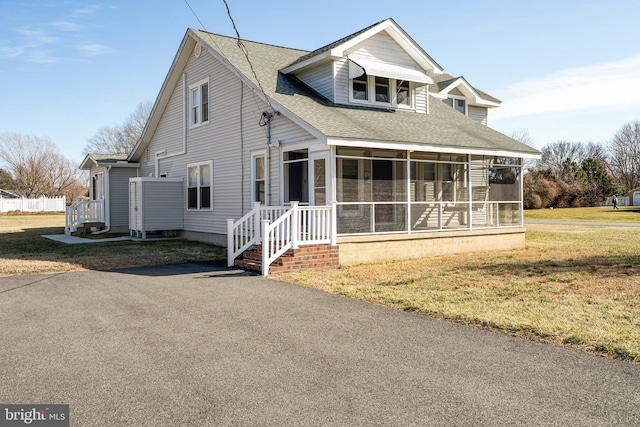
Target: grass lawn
[[24, 251], [599, 214]]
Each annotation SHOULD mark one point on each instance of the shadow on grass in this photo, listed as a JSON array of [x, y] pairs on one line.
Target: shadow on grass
[[598, 266], [28, 246]]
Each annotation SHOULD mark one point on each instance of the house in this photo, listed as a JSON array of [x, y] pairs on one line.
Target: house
[[6, 194], [362, 150], [634, 197]]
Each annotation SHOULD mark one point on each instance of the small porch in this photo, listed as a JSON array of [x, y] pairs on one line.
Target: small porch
[[287, 237], [84, 215]]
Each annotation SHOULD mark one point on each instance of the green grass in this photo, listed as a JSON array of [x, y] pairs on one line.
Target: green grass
[[598, 214]]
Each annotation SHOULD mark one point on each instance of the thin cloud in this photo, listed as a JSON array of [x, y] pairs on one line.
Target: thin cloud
[[66, 26], [605, 86], [93, 49]]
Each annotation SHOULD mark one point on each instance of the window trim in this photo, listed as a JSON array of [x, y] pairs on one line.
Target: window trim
[[256, 155], [201, 106], [198, 186], [393, 94], [454, 99]]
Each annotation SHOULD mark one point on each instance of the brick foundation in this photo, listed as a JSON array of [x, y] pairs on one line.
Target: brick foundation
[[312, 257]]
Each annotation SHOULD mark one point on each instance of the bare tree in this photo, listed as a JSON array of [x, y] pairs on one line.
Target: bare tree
[[624, 155], [555, 155], [120, 138], [524, 137], [37, 167]]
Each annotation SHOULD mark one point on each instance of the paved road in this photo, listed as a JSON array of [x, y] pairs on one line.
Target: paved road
[[201, 345]]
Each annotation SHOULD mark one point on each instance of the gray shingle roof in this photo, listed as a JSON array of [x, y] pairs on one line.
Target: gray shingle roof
[[443, 80], [443, 126]]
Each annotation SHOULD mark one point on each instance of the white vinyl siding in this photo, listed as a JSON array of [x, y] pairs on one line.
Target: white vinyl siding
[[229, 138], [479, 114], [381, 47], [320, 79], [118, 198]]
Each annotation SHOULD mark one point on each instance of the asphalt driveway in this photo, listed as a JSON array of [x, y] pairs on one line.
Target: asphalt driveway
[[203, 345]]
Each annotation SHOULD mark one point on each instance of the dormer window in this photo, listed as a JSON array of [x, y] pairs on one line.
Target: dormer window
[[360, 88], [383, 91], [403, 93], [457, 103]]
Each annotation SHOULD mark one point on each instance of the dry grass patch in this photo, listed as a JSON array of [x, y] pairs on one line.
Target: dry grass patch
[[572, 286], [23, 250]]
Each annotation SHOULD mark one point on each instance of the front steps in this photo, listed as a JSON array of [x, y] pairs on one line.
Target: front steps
[[86, 227], [311, 257]]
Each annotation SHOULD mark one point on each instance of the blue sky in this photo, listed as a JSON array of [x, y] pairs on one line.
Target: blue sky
[[564, 69]]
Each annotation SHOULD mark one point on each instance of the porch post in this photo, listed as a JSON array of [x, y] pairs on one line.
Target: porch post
[[230, 239], [265, 247], [256, 221], [295, 220], [334, 223]]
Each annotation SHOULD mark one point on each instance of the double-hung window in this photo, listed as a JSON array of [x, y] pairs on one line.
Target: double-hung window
[[259, 175], [199, 185], [199, 103]]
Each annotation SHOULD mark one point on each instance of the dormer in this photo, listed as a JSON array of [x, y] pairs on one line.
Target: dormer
[[457, 93], [379, 66]]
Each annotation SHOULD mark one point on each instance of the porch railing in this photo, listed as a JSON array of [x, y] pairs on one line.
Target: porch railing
[[283, 228], [83, 211]]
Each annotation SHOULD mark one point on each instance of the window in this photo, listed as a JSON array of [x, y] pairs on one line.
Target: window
[[403, 94], [457, 103], [259, 174], [199, 179], [360, 90], [380, 90], [199, 103]]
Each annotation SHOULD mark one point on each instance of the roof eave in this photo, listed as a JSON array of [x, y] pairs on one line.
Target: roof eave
[[411, 146]]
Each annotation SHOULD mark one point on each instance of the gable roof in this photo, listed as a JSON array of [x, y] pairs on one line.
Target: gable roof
[[445, 82], [443, 129], [8, 194], [338, 47], [105, 160]]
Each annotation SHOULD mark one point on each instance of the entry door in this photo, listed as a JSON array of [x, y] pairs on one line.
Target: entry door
[[97, 182], [319, 179]]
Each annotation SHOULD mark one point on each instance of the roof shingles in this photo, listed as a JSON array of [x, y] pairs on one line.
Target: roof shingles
[[443, 126]]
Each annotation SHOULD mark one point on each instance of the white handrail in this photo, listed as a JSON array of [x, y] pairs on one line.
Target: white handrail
[[280, 228], [83, 211]]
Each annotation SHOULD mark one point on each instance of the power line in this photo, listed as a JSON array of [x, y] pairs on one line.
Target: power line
[[196, 15], [244, 50]]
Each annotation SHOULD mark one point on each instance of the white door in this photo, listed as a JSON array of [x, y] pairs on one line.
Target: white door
[[319, 182]]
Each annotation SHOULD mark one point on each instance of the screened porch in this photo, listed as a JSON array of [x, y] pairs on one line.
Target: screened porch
[[397, 191]]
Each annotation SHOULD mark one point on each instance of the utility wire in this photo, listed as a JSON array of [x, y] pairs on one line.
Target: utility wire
[[244, 50], [196, 15]]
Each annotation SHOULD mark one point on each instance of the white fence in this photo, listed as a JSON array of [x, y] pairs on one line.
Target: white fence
[[42, 204]]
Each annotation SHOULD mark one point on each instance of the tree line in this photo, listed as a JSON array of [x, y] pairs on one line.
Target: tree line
[[31, 166], [574, 174]]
